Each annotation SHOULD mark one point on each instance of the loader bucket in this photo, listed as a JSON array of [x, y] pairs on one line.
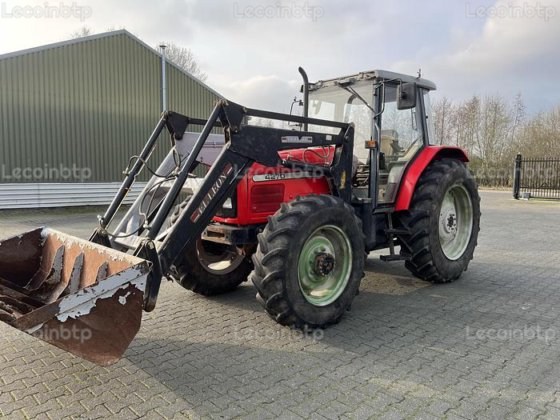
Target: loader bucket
[[79, 296]]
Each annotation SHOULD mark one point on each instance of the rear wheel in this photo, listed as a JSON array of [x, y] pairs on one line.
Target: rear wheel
[[210, 268], [309, 262], [443, 221]]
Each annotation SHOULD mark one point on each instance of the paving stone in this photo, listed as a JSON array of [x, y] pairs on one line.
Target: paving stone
[[425, 352]]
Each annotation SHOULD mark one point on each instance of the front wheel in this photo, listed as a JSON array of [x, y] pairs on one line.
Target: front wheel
[[208, 268], [443, 222], [309, 262]]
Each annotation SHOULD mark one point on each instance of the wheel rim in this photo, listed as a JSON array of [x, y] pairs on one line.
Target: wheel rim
[[455, 222], [324, 265], [222, 260]]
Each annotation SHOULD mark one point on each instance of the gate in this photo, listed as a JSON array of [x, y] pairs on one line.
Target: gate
[[536, 178]]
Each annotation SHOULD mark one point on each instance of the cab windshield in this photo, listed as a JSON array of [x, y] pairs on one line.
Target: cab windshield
[[334, 103]]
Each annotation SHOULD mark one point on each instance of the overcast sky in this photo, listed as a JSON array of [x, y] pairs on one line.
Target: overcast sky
[[251, 50]]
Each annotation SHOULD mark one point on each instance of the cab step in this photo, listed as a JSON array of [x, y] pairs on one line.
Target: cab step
[[394, 257]]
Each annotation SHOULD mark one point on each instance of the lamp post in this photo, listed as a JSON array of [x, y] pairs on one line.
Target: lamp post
[[163, 79]]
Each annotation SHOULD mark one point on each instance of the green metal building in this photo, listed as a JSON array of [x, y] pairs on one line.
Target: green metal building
[[72, 114]]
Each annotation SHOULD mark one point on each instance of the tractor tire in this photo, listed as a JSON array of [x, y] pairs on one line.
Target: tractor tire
[[309, 262], [443, 222], [209, 268]]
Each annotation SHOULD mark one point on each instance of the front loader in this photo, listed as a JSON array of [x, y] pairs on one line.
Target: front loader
[[294, 209]]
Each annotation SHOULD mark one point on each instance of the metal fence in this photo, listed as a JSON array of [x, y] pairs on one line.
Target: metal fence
[[500, 176], [536, 178]]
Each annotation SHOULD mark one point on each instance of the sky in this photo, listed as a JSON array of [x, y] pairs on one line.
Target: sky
[[251, 49]]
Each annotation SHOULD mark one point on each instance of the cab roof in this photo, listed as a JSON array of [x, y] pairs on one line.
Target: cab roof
[[373, 75]]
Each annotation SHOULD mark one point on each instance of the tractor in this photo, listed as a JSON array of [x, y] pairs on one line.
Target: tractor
[[294, 207]]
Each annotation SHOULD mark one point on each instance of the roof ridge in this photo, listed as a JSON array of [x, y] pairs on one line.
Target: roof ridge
[[100, 36]]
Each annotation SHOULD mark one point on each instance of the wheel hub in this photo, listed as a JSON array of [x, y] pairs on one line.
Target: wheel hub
[[324, 263], [324, 266], [449, 222]]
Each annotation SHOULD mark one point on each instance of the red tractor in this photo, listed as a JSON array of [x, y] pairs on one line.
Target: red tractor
[[296, 209], [303, 246]]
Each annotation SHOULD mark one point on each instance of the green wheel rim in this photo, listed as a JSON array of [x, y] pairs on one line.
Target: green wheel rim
[[455, 222], [324, 265]]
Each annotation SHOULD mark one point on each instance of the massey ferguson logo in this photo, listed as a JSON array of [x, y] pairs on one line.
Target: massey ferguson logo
[[222, 178], [297, 139]]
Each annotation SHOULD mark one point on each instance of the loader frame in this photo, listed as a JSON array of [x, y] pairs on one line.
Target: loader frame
[[244, 145]]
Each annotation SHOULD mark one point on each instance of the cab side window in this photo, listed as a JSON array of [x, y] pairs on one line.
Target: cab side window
[[401, 138]]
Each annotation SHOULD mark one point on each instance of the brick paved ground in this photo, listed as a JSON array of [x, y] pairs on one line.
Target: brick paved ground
[[407, 349]]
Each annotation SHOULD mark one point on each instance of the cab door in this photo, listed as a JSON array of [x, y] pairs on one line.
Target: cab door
[[401, 137]]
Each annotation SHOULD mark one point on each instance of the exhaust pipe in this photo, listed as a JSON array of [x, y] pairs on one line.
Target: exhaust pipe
[[305, 91]]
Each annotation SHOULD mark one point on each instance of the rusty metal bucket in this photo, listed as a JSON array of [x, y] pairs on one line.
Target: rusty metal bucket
[[77, 295]]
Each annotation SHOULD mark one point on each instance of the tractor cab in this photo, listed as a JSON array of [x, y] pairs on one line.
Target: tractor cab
[[391, 113]]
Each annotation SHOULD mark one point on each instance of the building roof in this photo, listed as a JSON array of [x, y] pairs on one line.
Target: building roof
[[101, 36]]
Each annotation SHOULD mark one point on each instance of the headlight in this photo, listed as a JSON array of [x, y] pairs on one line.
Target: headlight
[[228, 204]]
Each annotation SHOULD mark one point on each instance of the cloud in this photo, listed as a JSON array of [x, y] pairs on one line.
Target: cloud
[[264, 92], [515, 52], [251, 49]]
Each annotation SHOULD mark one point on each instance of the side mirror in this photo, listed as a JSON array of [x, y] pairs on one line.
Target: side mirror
[[299, 102], [406, 96]]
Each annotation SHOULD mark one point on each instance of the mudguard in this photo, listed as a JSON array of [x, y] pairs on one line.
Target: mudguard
[[417, 167]]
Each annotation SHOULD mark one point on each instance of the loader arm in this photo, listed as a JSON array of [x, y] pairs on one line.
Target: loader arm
[[244, 145]]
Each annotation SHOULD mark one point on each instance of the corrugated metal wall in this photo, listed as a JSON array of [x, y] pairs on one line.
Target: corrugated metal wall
[[31, 196], [77, 111]]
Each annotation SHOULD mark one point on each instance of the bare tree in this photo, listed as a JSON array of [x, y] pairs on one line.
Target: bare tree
[[518, 116], [82, 32], [496, 125], [466, 124], [540, 137], [443, 114], [184, 58], [487, 129]]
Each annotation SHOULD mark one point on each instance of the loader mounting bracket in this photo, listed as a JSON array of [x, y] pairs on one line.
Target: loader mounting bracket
[[176, 124], [147, 251]]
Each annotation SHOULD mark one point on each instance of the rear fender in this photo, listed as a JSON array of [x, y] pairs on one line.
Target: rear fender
[[417, 167]]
